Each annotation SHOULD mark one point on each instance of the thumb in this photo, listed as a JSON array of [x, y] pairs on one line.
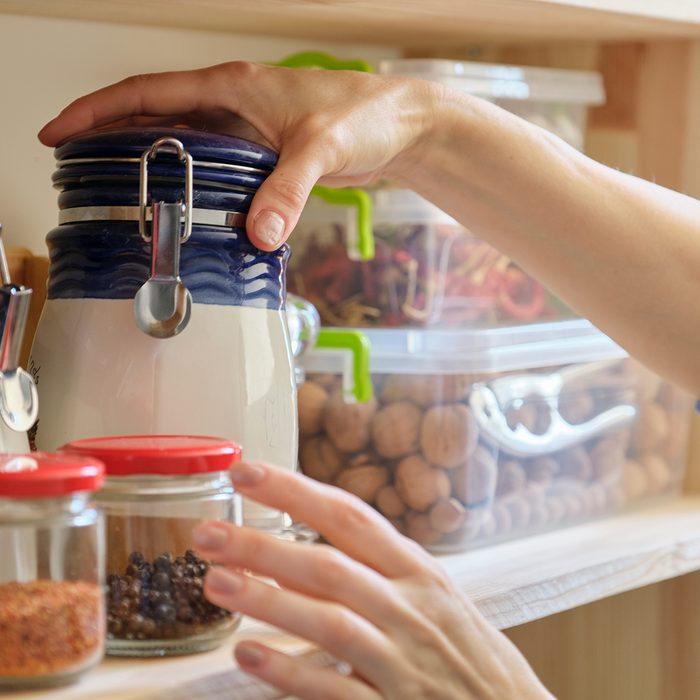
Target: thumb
[[277, 205]]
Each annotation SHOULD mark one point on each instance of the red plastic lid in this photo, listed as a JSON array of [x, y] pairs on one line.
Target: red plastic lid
[[158, 454], [41, 474]]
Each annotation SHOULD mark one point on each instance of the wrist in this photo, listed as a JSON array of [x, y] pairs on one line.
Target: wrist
[[448, 124]]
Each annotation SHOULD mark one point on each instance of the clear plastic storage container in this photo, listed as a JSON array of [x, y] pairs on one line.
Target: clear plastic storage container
[[475, 436], [158, 489], [427, 271], [52, 618], [553, 98]]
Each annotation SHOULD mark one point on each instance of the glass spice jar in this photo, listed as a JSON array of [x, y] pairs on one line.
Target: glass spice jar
[[52, 616], [158, 488]]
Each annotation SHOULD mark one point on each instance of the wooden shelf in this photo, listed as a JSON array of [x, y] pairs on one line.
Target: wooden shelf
[[511, 583], [399, 22], [524, 580]]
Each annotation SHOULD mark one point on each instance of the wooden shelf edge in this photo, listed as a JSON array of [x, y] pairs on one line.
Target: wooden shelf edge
[[524, 580], [394, 22]]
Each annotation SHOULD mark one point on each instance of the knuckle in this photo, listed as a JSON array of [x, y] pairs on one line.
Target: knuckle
[[322, 133], [240, 70], [329, 568], [340, 629], [289, 190], [351, 512]]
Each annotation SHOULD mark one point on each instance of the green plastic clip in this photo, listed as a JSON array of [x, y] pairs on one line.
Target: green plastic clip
[[359, 238], [359, 347], [318, 59]]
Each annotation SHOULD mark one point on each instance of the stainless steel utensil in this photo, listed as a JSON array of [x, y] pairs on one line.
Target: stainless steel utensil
[[19, 403], [163, 305]]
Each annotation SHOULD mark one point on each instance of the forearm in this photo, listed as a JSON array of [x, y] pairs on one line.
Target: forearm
[[621, 251]]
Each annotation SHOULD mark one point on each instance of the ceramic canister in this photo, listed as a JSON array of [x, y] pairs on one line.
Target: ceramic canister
[[161, 316]]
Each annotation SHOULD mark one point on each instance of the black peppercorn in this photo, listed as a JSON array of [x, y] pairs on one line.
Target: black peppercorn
[[162, 599]]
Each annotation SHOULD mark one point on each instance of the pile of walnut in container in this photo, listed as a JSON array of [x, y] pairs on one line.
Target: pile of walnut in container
[[478, 435]]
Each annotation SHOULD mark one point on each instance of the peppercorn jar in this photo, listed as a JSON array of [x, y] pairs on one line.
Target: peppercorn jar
[[52, 612], [158, 488]]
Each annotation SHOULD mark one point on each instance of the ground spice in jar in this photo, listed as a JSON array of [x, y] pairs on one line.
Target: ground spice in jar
[[161, 599], [49, 627]]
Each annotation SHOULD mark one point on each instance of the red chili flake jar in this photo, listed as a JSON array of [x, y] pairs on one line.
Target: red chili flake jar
[[52, 613], [158, 488]]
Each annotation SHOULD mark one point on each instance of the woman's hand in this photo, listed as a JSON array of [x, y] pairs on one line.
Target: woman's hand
[[346, 127], [376, 600]]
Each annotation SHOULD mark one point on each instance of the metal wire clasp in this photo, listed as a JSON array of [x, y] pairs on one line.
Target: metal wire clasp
[[166, 144]]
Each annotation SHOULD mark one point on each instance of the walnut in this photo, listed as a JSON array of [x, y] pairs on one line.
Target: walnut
[[502, 518], [634, 480], [389, 502], [539, 516], [657, 471], [365, 481], [470, 527], [426, 390], [311, 399], [577, 407], [511, 477], [475, 481], [532, 416], [419, 484], [576, 463], [674, 447], [556, 510], [542, 470], [519, 509], [651, 427], [448, 435], [395, 429], [599, 496], [447, 516], [348, 424], [329, 381], [418, 528], [607, 457], [319, 459]]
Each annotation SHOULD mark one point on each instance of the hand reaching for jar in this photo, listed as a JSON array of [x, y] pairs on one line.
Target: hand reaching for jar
[[375, 600], [346, 127]]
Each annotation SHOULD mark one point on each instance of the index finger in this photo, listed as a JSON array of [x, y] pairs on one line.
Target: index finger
[[150, 94], [343, 519]]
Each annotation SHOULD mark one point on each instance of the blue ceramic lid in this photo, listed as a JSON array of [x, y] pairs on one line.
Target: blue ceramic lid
[[95, 172], [131, 142]]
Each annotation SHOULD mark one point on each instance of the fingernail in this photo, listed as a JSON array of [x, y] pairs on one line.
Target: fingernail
[[249, 655], [246, 474], [269, 227], [223, 581], [210, 536]]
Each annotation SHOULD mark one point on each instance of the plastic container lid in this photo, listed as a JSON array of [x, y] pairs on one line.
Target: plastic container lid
[[42, 475], [420, 351], [504, 82], [158, 454]]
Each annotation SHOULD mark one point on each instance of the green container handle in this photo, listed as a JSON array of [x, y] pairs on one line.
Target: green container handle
[[318, 59], [358, 345], [360, 238]]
